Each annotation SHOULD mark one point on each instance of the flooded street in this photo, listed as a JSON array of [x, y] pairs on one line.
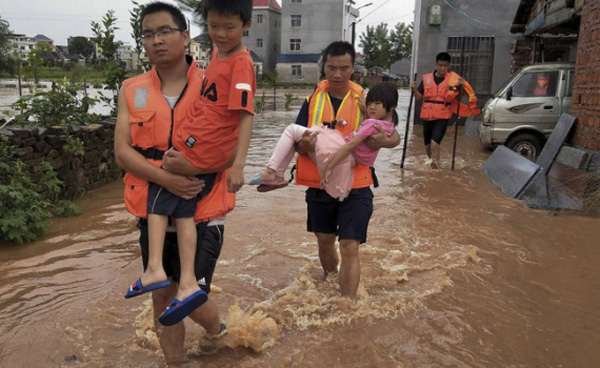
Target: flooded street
[[454, 274]]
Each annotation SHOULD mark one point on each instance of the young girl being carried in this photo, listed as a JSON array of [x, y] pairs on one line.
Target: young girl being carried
[[334, 154]]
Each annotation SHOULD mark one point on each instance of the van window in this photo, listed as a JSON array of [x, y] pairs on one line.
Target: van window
[[536, 84]]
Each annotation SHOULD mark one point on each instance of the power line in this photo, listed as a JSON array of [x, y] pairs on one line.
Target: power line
[[374, 10]]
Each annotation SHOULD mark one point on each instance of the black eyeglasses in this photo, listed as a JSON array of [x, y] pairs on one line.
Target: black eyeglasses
[[161, 33]]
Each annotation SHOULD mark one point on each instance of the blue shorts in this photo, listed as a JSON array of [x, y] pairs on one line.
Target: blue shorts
[[348, 219], [163, 202]]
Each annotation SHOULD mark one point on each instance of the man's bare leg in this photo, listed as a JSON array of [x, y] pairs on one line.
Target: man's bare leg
[[170, 338], [327, 252], [349, 268], [435, 155], [207, 316]]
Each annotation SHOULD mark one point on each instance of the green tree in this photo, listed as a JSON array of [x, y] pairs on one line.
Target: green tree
[[9, 56], [376, 46], [401, 42], [81, 46], [105, 37], [35, 57], [135, 22], [114, 73], [195, 6]]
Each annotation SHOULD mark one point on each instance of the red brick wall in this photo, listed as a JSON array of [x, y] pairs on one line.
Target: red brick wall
[[586, 93]]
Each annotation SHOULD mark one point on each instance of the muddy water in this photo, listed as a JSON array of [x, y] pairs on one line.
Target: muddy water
[[454, 274]]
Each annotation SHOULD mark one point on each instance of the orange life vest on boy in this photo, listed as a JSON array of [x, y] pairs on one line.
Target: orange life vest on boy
[[151, 124], [349, 117], [440, 100]]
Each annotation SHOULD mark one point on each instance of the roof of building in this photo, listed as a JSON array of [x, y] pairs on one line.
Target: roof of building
[[255, 57], [298, 58], [272, 3], [41, 37]]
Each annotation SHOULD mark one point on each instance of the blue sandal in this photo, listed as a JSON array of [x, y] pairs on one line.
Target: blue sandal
[[178, 310], [138, 289]]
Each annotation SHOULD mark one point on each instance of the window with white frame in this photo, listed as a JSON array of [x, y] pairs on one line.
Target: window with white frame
[[296, 1], [296, 20], [259, 42], [296, 70], [295, 44], [259, 18]]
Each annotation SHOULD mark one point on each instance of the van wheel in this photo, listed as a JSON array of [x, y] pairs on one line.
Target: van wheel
[[525, 144]]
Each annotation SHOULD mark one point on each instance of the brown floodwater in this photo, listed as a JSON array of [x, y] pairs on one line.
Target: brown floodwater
[[454, 274]]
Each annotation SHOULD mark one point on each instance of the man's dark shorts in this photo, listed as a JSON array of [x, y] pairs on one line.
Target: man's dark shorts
[[208, 249], [348, 219], [163, 202], [434, 130]]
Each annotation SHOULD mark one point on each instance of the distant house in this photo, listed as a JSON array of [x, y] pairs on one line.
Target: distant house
[[200, 51], [299, 68], [63, 53], [264, 38], [24, 44], [308, 26], [258, 64], [43, 39]]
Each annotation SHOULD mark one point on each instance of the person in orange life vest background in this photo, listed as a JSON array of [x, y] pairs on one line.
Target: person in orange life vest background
[[337, 99], [435, 111], [145, 123], [542, 84]]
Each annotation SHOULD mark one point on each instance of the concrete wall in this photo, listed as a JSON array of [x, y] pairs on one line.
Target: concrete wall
[[586, 93], [310, 73], [270, 33], [78, 173], [322, 23]]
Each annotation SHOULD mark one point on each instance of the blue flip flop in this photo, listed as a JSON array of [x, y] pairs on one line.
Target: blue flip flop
[[138, 289], [178, 310]]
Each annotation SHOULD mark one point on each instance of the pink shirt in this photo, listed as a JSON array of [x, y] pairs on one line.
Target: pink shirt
[[362, 153]]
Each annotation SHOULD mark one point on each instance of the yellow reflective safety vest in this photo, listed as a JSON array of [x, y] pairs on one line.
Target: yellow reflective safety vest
[[349, 117], [151, 126]]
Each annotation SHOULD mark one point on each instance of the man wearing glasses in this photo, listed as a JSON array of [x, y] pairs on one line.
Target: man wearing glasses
[[151, 109]]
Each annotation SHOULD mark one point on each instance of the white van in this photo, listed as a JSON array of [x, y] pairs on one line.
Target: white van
[[524, 111]]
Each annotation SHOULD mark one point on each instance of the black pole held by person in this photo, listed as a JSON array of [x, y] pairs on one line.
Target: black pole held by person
[[404, 147], [460, 90]]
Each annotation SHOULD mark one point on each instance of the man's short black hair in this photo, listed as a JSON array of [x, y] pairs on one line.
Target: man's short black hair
[[159, 6], [387, 94], [243, 8], [339, 48], [443, 56]]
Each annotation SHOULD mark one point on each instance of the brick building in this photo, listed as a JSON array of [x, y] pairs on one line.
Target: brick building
[[586, 92]]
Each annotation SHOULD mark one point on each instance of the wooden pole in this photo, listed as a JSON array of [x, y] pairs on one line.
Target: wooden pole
[[462, 65]]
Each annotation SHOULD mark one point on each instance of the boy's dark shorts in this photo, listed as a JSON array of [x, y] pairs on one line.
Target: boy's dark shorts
[[163, 202], [208, 249], [348, 219]]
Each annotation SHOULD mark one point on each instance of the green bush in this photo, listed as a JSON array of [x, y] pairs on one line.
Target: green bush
[[59, 107], [24, 210], [259, 103], [289, 98]]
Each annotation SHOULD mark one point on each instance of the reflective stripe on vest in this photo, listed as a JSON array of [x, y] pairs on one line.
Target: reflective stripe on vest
[[150, 118], [321, 110]]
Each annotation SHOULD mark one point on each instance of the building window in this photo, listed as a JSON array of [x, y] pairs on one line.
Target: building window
[[296, 20], [259, 18], [259, 42], [295, 44], [296, 1], [296, 70], [246, 33], [478, 61]]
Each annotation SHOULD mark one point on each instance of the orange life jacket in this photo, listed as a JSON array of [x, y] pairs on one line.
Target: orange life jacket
[[151, 126], [466, 109], [435, 104], [349, 117]]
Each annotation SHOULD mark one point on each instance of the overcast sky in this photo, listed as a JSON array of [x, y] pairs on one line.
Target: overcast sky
[[60, 19]]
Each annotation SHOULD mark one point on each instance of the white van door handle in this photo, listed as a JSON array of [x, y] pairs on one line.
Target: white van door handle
[[548, 107]]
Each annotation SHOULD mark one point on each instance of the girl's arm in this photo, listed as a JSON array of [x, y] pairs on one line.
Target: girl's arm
[[339, 156]]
